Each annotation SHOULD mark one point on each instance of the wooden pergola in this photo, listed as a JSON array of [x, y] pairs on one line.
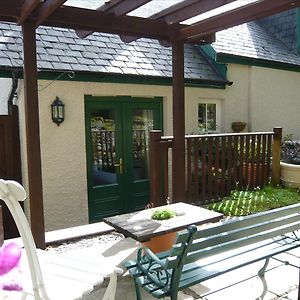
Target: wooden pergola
[[167, 26]]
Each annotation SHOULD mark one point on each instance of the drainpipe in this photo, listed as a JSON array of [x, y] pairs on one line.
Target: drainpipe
[[13, 92]]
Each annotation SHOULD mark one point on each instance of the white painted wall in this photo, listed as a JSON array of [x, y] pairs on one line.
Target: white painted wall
[[275, 100], [265, 98], [261, 97]]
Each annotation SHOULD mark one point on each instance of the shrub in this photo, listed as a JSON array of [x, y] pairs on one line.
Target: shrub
[[290, 152], [163, 214]]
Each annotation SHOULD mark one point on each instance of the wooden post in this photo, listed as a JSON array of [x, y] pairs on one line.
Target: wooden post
[[178, 156], [276, 149], [155, 168], [33, 134]]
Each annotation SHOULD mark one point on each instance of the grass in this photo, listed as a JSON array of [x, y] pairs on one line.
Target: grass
[[242, 203]]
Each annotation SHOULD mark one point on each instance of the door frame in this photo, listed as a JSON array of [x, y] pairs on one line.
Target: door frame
[[93, 101]]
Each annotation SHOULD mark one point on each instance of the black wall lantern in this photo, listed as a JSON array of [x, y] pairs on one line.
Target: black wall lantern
[[58, 111]]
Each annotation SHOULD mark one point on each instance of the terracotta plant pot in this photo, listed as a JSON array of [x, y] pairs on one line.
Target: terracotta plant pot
[[161, 243], [238, 126]]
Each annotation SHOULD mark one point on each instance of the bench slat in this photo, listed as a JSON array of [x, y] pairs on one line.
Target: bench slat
[[202, 273], [221, 238], [206, 252], [239, 222]]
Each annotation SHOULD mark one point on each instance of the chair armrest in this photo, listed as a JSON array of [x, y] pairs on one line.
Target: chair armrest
[[153, 267]]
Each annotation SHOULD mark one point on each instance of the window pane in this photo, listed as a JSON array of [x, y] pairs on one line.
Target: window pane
[[104, 145], [211, 117], [142, 123], [202, 116]]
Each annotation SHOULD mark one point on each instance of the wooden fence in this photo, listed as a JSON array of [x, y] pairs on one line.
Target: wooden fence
[[215, 164]]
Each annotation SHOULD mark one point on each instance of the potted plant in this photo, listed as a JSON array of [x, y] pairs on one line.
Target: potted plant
[[290, 162], [165, 241], [163, 214], [238, 126]]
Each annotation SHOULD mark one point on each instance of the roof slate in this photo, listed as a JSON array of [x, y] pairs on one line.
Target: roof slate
[[283, 26], [253, 41], [61, 49]]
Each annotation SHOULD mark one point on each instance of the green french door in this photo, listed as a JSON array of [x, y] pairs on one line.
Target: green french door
[[117, 142]]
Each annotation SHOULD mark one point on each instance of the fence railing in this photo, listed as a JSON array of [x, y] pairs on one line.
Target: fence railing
[[215, 164]]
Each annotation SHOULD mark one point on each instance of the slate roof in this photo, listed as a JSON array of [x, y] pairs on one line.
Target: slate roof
[[253, 41], [61, 49], [283, 26]]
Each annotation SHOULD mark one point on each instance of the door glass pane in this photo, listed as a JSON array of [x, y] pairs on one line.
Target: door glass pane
[[104, 146], [142, 123]]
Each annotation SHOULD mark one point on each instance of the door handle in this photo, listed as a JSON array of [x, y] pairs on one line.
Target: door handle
[[120, 165]]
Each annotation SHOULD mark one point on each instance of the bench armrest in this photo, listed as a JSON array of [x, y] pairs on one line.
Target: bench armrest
[[153, 267]]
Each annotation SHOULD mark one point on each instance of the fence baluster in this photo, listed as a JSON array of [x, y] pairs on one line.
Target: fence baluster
[[217, 168], [196, 168], [223, 166], [188, 169]]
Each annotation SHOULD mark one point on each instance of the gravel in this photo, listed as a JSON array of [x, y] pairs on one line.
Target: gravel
[[85, 242]]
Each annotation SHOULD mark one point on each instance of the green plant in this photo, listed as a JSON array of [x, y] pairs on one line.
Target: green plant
[[240, 203], [163, 214], [290, 150]]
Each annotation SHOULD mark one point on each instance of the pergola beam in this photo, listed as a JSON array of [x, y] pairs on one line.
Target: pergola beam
[[86, 19], [123, 7], [237, 16], [118, 8], [10, 10], [187, 9], [28, 7], [47, 9], [183, 11]]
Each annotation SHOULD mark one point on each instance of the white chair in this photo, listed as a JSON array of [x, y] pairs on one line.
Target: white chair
[[54, 276]]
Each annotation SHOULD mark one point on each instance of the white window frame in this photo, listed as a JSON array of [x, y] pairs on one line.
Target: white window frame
[[217, 102]]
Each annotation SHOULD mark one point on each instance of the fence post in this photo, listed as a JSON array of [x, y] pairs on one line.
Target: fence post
[[155, 168], [276, 149]]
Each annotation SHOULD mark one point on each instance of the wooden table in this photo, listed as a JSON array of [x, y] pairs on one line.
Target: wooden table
[[142, 228]]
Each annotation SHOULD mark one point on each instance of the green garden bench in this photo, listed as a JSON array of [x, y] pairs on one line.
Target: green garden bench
[[199, 255]]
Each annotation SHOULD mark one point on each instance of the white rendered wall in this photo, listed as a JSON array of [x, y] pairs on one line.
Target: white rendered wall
[[276, 100]]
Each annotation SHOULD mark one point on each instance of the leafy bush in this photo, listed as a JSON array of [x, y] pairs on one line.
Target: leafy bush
[[163, 214], [290, 152], [241, 203]]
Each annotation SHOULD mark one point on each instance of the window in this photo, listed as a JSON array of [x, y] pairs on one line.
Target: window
[[207, 117]]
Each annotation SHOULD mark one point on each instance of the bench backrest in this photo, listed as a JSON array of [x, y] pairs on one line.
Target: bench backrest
[[232, 234]]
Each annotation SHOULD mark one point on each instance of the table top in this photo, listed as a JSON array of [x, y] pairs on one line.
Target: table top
[[142, 228]]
